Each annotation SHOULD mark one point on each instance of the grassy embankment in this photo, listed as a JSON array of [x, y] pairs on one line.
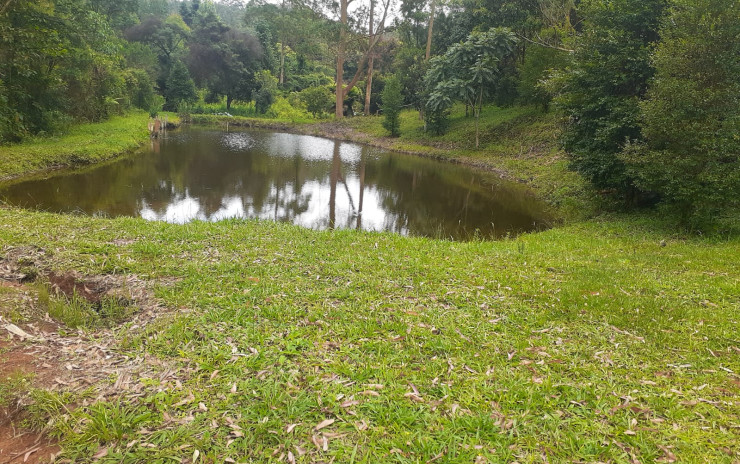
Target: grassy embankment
[[590, 342], [83, 144], [280, 116]]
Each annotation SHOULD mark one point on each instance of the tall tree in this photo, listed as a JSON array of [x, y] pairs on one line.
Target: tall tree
[[294, 25], [468, 71], [119, 13], [222, 59], [601, 92], [392, 103], [344, 31], [180, 87], [168, 37], [188, 11], [691, 116], [371, 61]]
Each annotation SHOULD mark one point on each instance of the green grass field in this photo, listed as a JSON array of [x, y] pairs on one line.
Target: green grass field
[[588, 343]]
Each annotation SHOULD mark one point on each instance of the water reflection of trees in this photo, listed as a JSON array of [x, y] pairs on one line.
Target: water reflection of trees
[[287, 178], [428, 198]]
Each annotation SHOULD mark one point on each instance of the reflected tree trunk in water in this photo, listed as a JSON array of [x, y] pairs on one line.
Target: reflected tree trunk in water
[[467, 201], [277, 202], [336, 164], [362, 191]]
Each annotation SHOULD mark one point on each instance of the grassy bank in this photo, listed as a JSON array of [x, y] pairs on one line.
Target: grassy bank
[[610, 340], [83, 144], [241, 121], [605, 341]]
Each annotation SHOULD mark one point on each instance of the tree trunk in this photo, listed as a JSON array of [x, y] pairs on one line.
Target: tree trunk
[[341, 90], [339, 107], [476, 109], [282, 47], [282, 63], [336, 164], [476, 128], [429, 32], [369, 86], [229, 99], [369, 83]]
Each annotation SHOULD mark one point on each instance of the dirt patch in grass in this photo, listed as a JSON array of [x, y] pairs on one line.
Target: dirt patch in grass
[[38, 352], [19, 444], [124, 290], [23, 446], [21, 265]]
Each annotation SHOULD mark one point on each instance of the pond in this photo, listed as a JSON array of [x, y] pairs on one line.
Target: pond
[[198, 173]]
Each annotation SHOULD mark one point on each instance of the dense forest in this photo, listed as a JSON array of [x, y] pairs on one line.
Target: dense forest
[[648, 90]]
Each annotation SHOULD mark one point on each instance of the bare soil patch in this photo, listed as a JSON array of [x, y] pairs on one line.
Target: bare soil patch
[[18, 444], [60, 359]]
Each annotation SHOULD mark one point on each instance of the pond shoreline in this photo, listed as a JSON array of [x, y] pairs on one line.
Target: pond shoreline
[[342, 132], [83, 145], [108, 141], [543, 170], [213, 174]]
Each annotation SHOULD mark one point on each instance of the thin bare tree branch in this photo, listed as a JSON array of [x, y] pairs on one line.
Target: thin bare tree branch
[[543, 44]]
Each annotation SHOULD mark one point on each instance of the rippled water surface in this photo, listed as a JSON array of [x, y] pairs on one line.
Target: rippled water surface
[[209, 174]]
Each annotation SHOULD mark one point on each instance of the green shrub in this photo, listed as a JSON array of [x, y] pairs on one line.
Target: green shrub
[[263, 98], [318, 100], [437, 120], [539, 64], [268, 88], [283, 110]]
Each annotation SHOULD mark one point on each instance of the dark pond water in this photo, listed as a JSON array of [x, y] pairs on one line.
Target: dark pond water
[[209, 174]]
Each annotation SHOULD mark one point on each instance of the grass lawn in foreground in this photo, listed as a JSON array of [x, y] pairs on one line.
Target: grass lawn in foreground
[[587, 343]]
